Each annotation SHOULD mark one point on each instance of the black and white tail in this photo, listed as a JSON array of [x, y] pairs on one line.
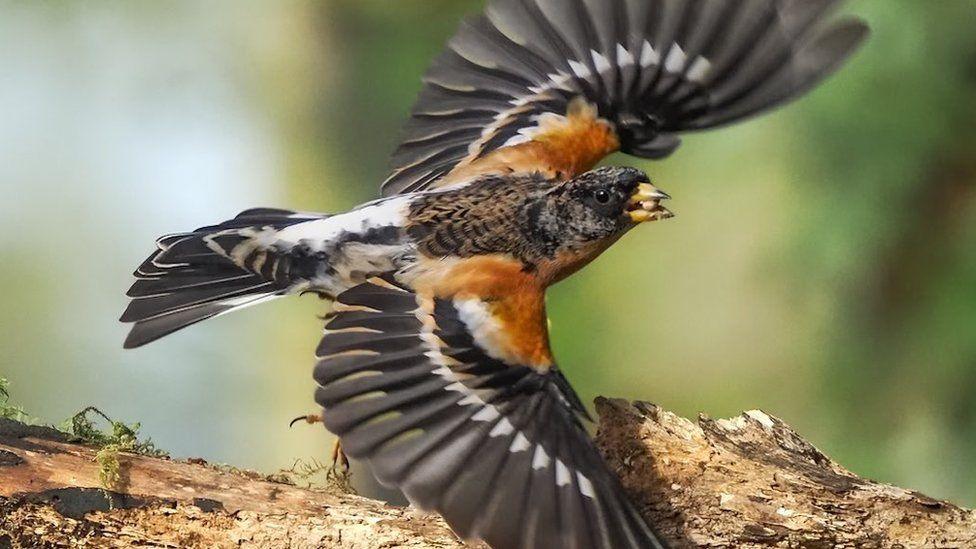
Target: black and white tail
[[213, 270]]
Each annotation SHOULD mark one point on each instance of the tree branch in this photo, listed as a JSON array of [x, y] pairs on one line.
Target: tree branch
[[749, 481], [50, 495], [752, 481]]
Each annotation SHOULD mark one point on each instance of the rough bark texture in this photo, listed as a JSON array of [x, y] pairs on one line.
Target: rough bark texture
[[753, 482], [750, 481], [50, 496]]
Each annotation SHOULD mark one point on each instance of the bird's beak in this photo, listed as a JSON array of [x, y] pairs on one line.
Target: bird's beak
[[645, 204]]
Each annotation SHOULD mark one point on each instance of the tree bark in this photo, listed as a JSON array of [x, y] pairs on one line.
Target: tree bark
[[749, 482]]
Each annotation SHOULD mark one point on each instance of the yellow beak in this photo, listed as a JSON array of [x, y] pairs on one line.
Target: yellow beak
[[645, 204]]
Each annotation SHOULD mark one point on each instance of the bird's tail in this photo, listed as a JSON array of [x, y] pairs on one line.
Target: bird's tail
[[211, 271]]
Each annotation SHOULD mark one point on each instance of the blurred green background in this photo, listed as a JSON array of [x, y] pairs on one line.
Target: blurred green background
[[822, 266]]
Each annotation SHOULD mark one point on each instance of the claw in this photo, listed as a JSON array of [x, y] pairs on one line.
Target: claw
[[340, 462], [311, 419]]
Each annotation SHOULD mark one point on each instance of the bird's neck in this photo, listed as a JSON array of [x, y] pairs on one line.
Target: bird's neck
[[567, 262]]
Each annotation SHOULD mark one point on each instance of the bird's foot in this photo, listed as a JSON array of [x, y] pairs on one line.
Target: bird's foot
[[340, 462], [311, 419]]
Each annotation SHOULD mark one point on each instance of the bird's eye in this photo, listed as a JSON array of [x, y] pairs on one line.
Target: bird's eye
[[602, 196]]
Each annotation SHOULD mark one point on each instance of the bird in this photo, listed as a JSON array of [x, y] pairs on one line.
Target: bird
[[435, 367]]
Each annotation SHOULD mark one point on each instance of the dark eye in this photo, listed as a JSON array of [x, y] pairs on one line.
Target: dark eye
[[602, 196]]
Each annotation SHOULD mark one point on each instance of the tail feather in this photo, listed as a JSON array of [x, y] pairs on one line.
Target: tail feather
[[208, 272], [149, 330], [151, 306], [153, 287]]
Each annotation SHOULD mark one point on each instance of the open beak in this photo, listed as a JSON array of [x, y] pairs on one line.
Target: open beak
[[645, 204]]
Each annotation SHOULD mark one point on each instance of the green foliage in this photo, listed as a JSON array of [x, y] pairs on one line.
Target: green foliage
[[8, 410], [124, 436], [120, 438], [109, 469]]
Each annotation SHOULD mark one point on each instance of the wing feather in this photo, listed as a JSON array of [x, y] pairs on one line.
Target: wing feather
[[648, 69], [499, 449]]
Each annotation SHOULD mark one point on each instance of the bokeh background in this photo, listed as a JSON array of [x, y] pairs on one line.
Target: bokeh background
[[822, 266]]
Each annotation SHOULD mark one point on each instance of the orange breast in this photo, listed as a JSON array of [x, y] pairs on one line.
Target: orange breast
[[564, 264], [513, 300]]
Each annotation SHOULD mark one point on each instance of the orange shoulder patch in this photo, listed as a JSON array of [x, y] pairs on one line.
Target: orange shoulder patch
[[559, 147], [503, 305]]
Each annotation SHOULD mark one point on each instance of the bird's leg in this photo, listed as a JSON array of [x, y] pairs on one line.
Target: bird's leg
[[311, 419], [340, 461], [338, 456]]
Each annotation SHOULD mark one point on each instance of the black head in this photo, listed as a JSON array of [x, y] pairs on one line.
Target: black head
[[571, 223], [576, 220], [604, 203]]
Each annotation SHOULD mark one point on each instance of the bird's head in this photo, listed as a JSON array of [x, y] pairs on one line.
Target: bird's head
[[604, 203], [583, 216]]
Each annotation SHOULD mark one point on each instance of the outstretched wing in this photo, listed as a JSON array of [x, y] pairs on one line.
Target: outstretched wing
[[498, 449], [555, 85]]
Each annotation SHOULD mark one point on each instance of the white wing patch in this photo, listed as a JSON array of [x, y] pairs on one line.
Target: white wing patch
[[601, 63], [520, 444], [675, 64], [648, 56], [484, 329], [379, 213], [503, 428], [624, 57], [563, 476], [585, 486], [475, 316], [541, 459], [580, 69], [488, 413], [699, 70]]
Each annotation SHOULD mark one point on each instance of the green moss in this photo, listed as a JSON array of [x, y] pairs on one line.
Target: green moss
[[119, 438], [109, 469], [125, 436], [10, 411]]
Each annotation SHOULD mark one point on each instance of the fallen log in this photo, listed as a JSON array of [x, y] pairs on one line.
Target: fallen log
[[749, 481], [753, 482]]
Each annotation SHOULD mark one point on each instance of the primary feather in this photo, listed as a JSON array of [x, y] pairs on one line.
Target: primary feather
[[651, 68], [497, 448]]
